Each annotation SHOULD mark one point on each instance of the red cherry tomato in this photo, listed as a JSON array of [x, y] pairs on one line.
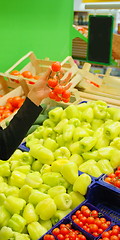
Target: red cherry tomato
[[6, 113], [49, 237], [9, 106], [77, 212], [60, 237], [66, 94], [105, 234], [82, 237], [93, 227], [111, 175], [107, 179], [114, 237], [52, 82], [66, 100], [103, 220], [104, 226], [56, 66], [117, 173], [16, 101], [56, 231], [15, 73], [27, 74], [72, 236], [87, 213], [117, 183], [94, 213], [52, 95], [83, 208], [58, 89], [91, 220]]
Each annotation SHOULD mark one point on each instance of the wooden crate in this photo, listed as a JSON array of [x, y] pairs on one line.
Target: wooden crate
[[34, 65], [16, 92], [79, 48]]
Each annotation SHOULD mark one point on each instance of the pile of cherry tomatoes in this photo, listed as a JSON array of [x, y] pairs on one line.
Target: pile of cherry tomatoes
[[12, 104], [25, 74], [58, 91], [65, 232], [112, 234], [90, 220], [114, 178]]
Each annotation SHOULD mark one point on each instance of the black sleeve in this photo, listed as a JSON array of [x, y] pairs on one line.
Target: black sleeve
[[11, 136]]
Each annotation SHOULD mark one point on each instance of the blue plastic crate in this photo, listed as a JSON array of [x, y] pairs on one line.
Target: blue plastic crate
[[65, 221], [107, 200], [109, 229], [23, 147], [108, 185], [91, 207]]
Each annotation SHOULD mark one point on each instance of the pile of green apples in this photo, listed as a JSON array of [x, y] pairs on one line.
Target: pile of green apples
[[40, 187]]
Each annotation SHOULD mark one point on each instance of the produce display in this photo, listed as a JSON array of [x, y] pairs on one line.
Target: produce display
[[88, 134], [12, 104], [112, 234], [25, 74], [92, 221], [33, 197], [65, 231], [67, 152], [114, 178]]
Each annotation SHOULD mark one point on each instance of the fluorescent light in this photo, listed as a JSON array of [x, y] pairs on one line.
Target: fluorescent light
[[103, 5]]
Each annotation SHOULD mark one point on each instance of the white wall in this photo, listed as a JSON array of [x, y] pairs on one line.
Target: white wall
[[77, 5]]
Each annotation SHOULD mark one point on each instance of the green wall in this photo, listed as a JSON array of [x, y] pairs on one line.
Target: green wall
[[41, 26]]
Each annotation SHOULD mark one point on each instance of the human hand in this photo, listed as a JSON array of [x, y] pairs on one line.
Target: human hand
[[40, 89]]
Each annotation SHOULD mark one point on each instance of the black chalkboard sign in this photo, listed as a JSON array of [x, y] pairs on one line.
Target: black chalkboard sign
[[100, 32]]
